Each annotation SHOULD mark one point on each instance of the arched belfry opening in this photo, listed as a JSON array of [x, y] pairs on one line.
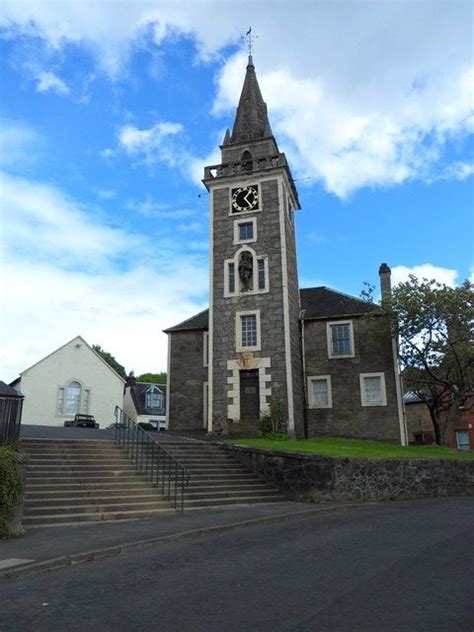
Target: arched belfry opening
[[247, 161]]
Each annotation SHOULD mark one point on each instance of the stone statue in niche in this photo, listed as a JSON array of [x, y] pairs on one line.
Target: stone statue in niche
[[246, 270]]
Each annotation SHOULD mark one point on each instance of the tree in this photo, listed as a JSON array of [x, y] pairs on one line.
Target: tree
[[152, 378], [434, 325], [111, 361]]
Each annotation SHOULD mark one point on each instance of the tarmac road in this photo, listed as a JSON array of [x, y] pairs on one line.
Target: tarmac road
[[403, 566]]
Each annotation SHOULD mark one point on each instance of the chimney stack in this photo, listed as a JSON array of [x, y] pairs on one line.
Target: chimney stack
[[385, 282]]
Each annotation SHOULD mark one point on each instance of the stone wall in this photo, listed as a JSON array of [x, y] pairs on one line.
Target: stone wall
[[186, 380], [311, 477], [372, 354]]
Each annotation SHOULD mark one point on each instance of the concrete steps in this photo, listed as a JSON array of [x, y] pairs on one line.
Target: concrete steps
[[85, 481], [217, 479], [70, 481]]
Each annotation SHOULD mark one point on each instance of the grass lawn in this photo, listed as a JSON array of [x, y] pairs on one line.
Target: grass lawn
[[358, 448]]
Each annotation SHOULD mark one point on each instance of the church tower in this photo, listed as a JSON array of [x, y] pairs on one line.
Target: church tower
[[254, 339]]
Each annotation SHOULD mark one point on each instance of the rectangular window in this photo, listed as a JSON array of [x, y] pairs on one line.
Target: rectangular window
[[319, 391], [462, 440], [60, 403], [231, 277], [261, 274], [340, 339], [372, 389], [248, 328], [154, 399], [247, 331], [86, 401], [246, 231]]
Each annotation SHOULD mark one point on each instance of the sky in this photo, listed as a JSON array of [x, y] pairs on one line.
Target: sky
[[110, 110]]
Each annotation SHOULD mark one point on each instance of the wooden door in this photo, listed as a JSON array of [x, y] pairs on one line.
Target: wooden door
[[249, 395]]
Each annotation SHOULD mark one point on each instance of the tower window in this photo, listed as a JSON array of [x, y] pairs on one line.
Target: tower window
[[246, 231], [249, 330], [247, 161], [231, 277], [261, 274]]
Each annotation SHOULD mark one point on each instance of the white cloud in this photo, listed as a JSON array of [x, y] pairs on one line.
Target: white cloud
[[49, 82], [425, 271], [123, 312], [68, 233], [193, 227], [151, 208], [458, 171], [19, 144], [62, 266], [157, 144], [147, 141], [164, 142], [376, 110]]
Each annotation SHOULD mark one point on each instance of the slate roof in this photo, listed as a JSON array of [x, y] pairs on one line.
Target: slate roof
[[323, 302], [138, 392], [251, 119], [8, 391], [199, 321], [317, 303]]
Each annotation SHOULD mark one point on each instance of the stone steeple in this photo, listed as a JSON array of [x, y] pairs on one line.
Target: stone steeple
[[251, 119]]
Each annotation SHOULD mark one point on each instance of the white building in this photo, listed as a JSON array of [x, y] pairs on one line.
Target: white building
[[73, 379]]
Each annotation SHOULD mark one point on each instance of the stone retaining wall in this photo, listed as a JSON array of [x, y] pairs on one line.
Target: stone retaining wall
[[310, 477]]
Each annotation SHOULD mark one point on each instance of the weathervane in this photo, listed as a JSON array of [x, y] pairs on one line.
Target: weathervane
[[250, 39]]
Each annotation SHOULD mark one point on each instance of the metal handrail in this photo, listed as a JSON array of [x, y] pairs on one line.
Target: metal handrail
[[160, 467]]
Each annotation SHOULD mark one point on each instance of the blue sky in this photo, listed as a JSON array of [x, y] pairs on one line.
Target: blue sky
[[110, 110]]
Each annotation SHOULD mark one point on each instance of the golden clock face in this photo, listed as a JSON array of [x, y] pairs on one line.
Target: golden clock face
[[245, 199]]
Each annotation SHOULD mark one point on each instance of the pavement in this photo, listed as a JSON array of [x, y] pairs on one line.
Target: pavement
[[50, 547], [59, 432], [401, 566]]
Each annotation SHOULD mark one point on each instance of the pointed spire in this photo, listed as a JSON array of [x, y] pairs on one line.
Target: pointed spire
[[251, 119], [227, 137]]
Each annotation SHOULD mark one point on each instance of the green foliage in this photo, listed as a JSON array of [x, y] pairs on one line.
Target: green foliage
[[111, 361], [368, 292], [152, 378], [145, 425], [273, 424], [434, 324], [265, 426], [354, 448], [10, 486]]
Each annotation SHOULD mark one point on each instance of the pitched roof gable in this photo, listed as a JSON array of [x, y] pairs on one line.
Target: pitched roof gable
[[82, 341]]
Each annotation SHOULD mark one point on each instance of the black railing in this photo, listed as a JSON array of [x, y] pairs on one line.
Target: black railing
[[10, 418], [159, 466]]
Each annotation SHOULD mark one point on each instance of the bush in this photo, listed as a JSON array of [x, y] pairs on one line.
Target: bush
[[10, 486], [145, 425], [265, 426]]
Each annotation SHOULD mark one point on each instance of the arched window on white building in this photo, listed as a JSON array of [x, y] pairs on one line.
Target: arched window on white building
[[72, 398]]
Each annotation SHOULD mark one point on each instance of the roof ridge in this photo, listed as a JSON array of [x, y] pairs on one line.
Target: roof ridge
[[187, 320]]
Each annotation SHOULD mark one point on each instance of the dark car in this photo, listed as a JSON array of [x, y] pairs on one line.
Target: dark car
[[82, 421]]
